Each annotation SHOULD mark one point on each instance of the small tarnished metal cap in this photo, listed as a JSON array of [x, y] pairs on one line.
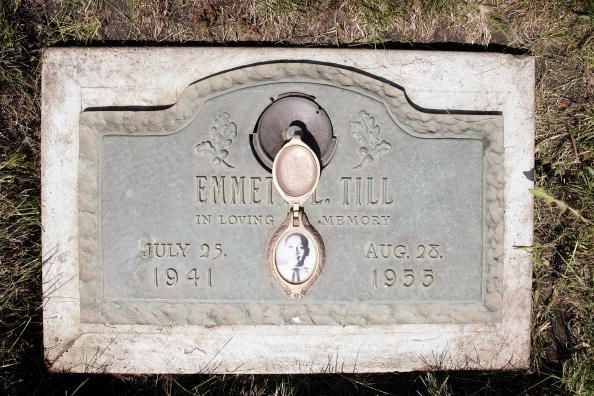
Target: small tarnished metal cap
[[296, 171]]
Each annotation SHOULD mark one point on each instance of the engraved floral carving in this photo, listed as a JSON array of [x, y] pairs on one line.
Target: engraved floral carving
[[222, 133], [367, 133]]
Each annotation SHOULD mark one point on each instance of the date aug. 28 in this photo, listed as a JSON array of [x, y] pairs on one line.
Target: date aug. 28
[[387, 251]]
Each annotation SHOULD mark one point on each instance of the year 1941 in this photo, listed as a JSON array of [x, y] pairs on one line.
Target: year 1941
[[171, 277]]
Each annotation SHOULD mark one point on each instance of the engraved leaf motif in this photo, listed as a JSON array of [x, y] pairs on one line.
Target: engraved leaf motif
[[222, 133], [367, 133], [223, 129], [223, 154], [358, 131], [230, 130], [381, 148], [370, 126], [205, 147]]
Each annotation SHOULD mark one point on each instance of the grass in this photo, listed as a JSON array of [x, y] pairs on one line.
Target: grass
[[557, 33]]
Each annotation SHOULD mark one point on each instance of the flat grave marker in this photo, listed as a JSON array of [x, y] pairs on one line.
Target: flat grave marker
[[386, 235]]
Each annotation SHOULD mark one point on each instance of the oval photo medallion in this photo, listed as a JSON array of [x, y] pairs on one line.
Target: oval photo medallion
[[296, 254], [296, 257]]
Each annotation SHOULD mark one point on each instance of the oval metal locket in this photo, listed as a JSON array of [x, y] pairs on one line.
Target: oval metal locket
[[296, 251]]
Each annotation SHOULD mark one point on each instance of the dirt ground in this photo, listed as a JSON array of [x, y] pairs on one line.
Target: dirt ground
[[557, 33]]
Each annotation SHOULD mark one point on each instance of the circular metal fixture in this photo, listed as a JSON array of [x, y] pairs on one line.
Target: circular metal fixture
[[288, 112]]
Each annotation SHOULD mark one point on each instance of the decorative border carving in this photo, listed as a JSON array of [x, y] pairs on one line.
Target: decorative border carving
[[94, 124]]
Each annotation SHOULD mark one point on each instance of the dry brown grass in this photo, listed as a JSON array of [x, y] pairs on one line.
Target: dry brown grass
[[559, 35]]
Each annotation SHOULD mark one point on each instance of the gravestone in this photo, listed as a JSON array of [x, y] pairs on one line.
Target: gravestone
[[182, 235]]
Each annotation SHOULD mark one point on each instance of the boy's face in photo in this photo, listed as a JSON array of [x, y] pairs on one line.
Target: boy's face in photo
[[298, 249]]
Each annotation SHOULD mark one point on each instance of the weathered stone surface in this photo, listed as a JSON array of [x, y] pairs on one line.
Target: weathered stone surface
[[155, 232]]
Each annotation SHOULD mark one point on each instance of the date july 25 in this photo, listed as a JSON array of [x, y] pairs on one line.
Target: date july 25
[[208, 251]]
